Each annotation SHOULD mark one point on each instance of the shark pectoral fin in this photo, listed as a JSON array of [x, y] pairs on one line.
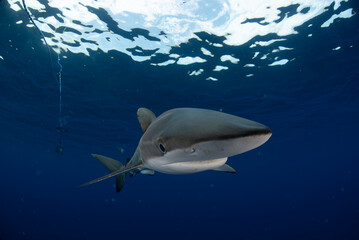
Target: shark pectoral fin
[[148, 172], [145, 117], [225, 168]]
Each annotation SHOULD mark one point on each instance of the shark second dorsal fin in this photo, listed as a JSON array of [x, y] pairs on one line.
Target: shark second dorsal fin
[[145, 117]]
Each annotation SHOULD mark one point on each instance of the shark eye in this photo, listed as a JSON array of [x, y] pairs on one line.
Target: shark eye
[[162, 148]]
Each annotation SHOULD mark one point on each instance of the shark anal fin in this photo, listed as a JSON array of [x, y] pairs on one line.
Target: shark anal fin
[[225, 168], [145, 117]]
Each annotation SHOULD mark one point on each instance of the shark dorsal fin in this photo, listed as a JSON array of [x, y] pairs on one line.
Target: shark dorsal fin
[[145, 117]]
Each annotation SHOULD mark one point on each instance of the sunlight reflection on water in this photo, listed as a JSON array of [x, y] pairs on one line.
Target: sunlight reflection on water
[[150, 29]]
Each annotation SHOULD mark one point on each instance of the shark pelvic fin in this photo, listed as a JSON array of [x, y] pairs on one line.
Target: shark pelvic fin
[[225, 168], [116, 168], [145, 117], [148, 172]]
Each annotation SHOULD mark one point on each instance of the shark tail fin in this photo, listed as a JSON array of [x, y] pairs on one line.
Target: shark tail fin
[[113, 165]]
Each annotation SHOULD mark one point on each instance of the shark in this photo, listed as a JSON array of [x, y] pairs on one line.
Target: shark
[[184, 141]]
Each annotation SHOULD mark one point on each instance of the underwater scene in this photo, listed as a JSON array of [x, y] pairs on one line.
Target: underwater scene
[[179, 119]]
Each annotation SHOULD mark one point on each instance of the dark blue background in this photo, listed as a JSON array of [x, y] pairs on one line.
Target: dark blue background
[[302, 184]]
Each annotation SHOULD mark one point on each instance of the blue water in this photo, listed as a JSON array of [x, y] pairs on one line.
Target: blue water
[[302, 184]]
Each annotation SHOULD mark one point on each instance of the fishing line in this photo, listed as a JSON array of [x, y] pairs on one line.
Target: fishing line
[[60, 128]]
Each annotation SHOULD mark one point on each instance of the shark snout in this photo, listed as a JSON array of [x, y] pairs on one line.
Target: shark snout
[[232, 138], [233, 127], [246, 128], [250, 135]]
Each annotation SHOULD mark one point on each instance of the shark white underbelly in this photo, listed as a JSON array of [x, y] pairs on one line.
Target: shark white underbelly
[[185, 167]]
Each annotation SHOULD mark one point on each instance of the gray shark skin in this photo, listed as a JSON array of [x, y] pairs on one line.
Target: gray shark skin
[[186, 140]]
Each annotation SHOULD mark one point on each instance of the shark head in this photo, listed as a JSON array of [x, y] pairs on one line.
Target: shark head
[[187, 140]]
